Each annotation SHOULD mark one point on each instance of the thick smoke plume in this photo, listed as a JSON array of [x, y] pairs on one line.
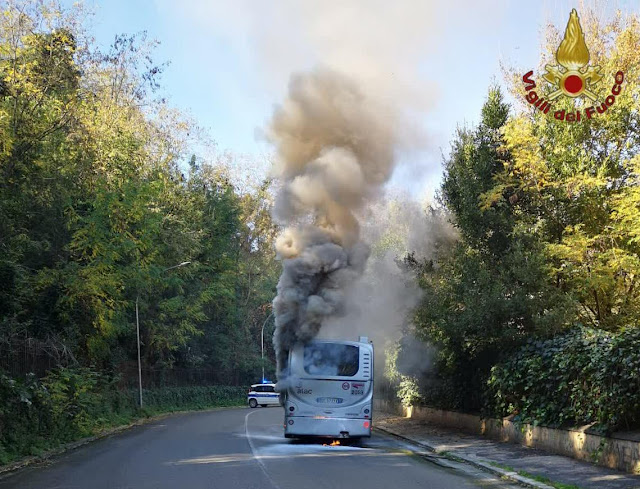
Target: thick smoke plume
[[335, 149], [381, 301]]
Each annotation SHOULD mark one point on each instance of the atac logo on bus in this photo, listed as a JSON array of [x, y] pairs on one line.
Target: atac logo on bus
[[300, 389], [573, 77]]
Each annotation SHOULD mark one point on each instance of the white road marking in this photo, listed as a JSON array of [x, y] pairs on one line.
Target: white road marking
[[256, 457]]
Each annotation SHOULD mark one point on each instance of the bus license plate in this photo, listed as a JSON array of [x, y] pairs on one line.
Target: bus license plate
[[330, 400]]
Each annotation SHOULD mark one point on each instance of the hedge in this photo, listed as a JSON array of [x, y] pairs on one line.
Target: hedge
[[585, 376]]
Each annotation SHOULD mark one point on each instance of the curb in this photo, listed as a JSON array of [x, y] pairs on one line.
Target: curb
[[476, 462], [35, 459]]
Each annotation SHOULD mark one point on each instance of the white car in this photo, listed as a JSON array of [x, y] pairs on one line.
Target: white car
[[263, 395]]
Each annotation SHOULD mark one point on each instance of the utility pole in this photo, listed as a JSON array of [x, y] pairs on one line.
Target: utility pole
[[139, 361], [262, 342]]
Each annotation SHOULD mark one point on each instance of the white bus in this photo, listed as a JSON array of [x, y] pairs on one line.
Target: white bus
[[329, 391]]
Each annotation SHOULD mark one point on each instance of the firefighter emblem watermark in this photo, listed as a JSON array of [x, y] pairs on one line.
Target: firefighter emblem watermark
[[573, 77]]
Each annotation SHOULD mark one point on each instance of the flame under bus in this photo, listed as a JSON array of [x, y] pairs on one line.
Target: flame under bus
[[330, 389]]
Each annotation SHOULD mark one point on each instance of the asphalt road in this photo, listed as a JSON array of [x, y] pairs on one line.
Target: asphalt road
[[238, 448]]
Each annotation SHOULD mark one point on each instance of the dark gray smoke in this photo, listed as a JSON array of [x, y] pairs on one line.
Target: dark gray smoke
[[335, 149]]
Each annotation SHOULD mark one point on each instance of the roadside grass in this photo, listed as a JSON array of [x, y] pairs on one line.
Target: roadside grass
[[538, 478], [502, 466], [546, 480]]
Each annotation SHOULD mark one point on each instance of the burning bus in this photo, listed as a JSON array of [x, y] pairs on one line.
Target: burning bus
[[329, 389]]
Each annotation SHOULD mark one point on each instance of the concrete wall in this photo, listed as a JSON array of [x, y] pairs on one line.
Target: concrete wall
[[620, 451]]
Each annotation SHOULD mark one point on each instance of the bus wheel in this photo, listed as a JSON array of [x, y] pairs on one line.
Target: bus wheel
[[253, 403]]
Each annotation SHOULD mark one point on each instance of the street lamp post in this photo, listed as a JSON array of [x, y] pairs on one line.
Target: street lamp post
[[139, 362], [184, 263], [262, 342]]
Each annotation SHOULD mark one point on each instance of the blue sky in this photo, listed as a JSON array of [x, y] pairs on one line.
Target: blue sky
[[230, 60]]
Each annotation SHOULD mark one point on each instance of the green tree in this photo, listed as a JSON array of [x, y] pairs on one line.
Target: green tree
[[99, 195], [490, 293], [476, 157], [548, 215], [575, 185]]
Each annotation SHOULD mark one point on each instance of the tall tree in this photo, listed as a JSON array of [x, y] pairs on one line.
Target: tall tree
[[99, 200], [576, 183], [490, 293]]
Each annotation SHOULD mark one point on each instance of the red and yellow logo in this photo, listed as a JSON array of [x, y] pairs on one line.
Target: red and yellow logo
[[572, 77]]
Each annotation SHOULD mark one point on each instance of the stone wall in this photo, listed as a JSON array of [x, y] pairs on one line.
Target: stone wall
[[620, 451]]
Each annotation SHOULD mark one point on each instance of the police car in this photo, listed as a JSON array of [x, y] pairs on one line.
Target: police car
[[264, 395]]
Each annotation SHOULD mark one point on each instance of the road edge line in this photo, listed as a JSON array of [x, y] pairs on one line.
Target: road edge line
[[257, 458]]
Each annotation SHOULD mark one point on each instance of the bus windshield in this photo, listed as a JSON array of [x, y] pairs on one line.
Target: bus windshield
[[332, 359]]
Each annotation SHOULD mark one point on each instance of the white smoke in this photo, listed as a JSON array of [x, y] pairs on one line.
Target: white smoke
[[380, 302]]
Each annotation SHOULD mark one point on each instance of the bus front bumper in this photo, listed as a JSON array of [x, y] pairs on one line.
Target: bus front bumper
[[326, 427]]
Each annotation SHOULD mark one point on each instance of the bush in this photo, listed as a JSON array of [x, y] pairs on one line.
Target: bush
[[82, 401], [24, 415], [68, 404], [580, 377]]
